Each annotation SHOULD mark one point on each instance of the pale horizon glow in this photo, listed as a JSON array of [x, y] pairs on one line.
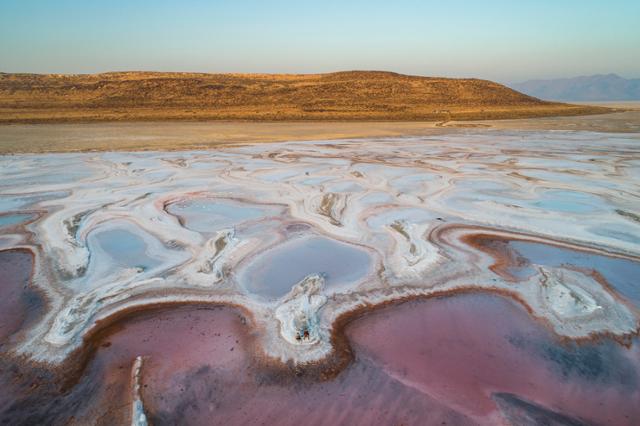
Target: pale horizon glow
[[506, 41]]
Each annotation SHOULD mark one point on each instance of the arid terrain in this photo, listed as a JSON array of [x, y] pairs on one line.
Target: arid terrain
[[356, 95], [204, 135]]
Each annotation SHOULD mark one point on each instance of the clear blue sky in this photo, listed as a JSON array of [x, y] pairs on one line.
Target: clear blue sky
[[501, 40]]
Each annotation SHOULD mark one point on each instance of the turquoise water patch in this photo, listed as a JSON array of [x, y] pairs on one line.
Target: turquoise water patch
[[14, 219], [570, 202], [274, 272], [210, 215]]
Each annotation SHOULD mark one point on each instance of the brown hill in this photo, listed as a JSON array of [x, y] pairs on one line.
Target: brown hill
[[356, 95]]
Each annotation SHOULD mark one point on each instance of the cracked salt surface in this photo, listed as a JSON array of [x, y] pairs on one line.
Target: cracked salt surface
[[368, 223]]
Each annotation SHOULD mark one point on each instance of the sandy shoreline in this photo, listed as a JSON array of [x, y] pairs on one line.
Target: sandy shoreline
[[169, 136]]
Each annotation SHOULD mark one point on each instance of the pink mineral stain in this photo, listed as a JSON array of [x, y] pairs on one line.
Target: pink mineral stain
[[423, 362], [461, 350], [17, 301], [221, 382], [170, 341], [438, 361]]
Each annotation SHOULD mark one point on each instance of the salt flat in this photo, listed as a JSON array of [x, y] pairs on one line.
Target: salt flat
[[181, 135], [301, 235]]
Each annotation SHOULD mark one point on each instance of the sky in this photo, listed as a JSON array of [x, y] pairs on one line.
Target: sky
[[506, 41]]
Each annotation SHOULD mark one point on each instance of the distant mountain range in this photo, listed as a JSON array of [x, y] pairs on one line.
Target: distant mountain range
[[600, 87]]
